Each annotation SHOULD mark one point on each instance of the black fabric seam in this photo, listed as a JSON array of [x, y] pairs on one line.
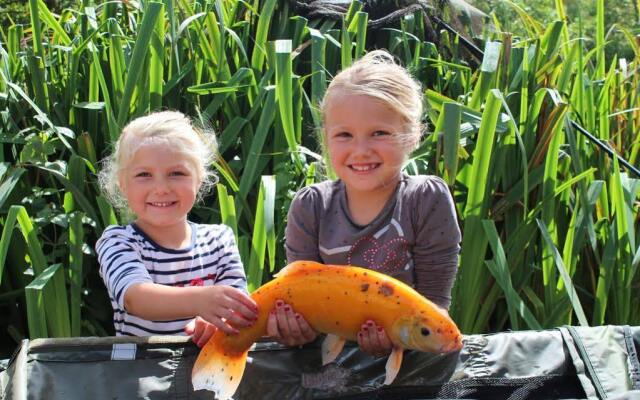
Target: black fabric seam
[[595, 379], [634, 363]]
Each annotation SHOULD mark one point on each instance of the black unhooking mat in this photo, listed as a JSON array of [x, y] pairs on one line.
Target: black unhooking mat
[[563, 363]]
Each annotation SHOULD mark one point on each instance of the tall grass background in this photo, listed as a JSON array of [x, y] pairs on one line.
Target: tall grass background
[[549, 219]]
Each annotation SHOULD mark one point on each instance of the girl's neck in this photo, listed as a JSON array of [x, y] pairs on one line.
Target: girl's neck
[[174, 237], [364, 207]]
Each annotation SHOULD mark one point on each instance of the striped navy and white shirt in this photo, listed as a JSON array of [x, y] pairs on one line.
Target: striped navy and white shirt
[[128, 256]]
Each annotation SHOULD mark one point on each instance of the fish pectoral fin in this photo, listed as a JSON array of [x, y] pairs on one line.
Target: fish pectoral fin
[[331, 346], [393, 365], [218, 371]]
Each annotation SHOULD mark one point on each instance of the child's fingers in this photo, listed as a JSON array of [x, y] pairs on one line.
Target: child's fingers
[[190, 327], [295, 332], [288, 326], [364, 339], [235, 319], [242, 304], [308, 334], [272, 326], [198, 327], [374, 340], [385, 343], [208, 331], [225, 327], [240, 296], [283, 323]]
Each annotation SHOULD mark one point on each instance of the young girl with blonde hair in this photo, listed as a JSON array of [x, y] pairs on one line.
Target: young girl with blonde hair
[[165, 274], [374, 215]]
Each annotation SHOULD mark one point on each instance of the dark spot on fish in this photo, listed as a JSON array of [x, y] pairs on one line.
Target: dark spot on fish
[[230, 378], [365, 274], [397, 302], [337, 322], [385, 290], [366, 302], [439, 330], [328, 297], [364, 287]]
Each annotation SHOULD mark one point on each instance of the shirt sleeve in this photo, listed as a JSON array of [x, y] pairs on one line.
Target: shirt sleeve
[[230, 271], [301, 233], [437, 245], [120, 263]]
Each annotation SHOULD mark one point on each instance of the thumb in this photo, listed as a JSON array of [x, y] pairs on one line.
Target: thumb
[[190, 327]]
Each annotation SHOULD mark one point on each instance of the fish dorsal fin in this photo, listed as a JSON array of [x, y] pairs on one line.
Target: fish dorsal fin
[[294, 267]]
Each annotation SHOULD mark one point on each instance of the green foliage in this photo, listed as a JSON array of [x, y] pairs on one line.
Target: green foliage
[[17, 11], [581, 19], [549, 220]]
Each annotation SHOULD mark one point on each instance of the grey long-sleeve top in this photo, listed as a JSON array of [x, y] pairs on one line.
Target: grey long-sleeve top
[[415, 238]]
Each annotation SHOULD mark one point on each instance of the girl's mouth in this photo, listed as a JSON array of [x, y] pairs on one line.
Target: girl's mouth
[[364, 167], [162, 204]]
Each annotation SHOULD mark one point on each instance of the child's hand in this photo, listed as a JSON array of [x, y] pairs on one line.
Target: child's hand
[[200, 331], [226, 307], [288, 327], [373, 339]]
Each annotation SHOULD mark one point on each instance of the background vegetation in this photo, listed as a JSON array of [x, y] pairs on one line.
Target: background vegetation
[[549, 218]]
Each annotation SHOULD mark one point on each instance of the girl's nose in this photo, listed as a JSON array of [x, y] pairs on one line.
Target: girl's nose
[[161, 186], [362, 146]]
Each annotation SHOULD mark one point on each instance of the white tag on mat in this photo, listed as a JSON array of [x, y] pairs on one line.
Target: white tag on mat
[[123, 351]]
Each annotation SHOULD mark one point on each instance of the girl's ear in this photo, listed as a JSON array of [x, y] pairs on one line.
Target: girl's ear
[[121, 185]]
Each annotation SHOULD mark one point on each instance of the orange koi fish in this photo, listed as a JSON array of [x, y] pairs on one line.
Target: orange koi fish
[[335, 300]]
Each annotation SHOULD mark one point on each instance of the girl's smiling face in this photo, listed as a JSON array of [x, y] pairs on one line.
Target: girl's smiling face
[[365, 142], [161, 186]]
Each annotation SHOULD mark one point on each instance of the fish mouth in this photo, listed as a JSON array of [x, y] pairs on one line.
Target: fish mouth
[[451, 347]]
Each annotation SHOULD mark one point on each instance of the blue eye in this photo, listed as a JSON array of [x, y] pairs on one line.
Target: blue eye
[[381, 133], [142, 175], [177, 173]]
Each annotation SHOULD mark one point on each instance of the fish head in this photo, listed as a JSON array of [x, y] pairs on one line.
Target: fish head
[[428, 334]]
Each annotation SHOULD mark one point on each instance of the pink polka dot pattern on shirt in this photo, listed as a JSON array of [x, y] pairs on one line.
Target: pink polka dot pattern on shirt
[[388, 257]]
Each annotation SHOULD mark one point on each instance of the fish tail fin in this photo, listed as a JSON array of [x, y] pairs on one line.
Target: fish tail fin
[[218, 370]]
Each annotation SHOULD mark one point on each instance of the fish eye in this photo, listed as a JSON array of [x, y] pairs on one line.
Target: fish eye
[[425, 332]]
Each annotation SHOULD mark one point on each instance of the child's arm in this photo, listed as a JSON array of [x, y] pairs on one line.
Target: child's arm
[[301, 232], [221, 305], [301, 243], [435, 254]]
